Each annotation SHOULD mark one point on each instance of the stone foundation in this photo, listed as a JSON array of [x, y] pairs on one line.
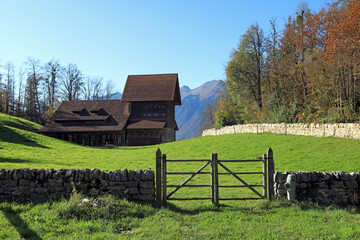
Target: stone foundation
[[328, 188], [39, 184], [341, 130]]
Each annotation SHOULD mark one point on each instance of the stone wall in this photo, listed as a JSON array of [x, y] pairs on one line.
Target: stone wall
[[329, 188], [341, 130], [38, 184]]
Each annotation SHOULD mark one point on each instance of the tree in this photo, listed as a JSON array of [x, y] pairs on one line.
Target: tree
[[53, 71], [109, 89], [9, 87], [32, 101], [245, 70], [20, 101], [71, 83]]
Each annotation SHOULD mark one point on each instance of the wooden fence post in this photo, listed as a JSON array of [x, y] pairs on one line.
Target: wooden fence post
[[158, 175], [264, 176], [212, 178], [271, 170], [216, 179], [164, 179]]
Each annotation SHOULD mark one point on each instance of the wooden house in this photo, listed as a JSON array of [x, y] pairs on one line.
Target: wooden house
[[145, 115]]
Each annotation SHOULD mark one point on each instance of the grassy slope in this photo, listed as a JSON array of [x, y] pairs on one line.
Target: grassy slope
[[20, 149]]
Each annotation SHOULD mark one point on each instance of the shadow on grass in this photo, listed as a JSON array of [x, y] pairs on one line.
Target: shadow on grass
[[9, 135], [12, 160], [21, 226], [212, 208]]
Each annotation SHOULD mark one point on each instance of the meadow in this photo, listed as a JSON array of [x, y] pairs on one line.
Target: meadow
[[116, 218]]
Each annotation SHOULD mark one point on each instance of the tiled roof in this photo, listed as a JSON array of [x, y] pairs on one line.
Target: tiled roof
[[67, 117], [154, 87], [146, 124]]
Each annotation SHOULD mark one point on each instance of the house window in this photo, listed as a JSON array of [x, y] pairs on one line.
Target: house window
[[148, 109]]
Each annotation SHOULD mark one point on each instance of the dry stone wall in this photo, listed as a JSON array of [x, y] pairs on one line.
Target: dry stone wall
[[341, 130], [39, 184], [328, 188]]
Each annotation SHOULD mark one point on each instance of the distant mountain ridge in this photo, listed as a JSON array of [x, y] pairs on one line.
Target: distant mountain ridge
[[189, 115]]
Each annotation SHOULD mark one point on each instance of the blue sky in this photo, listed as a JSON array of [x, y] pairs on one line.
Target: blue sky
[[113, 39]]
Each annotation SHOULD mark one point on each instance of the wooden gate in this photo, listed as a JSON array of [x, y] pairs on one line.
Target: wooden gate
[[267, 173]]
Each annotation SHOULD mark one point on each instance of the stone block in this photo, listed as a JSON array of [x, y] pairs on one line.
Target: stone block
[[131, 175], [304, 177], [41, 190], [69, 174], [132, 191], [102, 175], [148, 175], [146, 184], [48, 173], [40, 174], [345, 176], [104, 183], [2, 174], [351, 184], [117, 189], [137, 174], [96, 173], [9, 173], [94, 192], [17, 193], [124, 175], [322, 185], [327, 176], [279, 177], [147, 191], [26, 173], [24, 182], [354, 175], [337, 184], [10, 183], [87, 175], [131, 184], [16, 175], [81, 175], [116, 184]]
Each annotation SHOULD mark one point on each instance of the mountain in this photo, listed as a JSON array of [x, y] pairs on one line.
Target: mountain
[[116, 95], [190, 114]]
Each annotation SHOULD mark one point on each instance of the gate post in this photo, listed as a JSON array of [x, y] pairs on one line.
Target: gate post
[[215, 179], [271, 170], [158, 175], [212, 179], [264, 176], [164, 199]]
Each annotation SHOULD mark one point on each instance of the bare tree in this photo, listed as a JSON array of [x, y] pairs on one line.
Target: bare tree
[[32, 101], [52, 73], [87, 88], [97, 91], [109, 89], [9, 86], [71, 83], [20, 100]]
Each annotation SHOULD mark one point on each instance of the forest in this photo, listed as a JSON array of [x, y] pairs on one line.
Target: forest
[[35, 90], [307, 72]]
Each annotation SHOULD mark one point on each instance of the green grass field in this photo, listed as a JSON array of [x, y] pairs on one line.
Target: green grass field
[[116, 218]]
